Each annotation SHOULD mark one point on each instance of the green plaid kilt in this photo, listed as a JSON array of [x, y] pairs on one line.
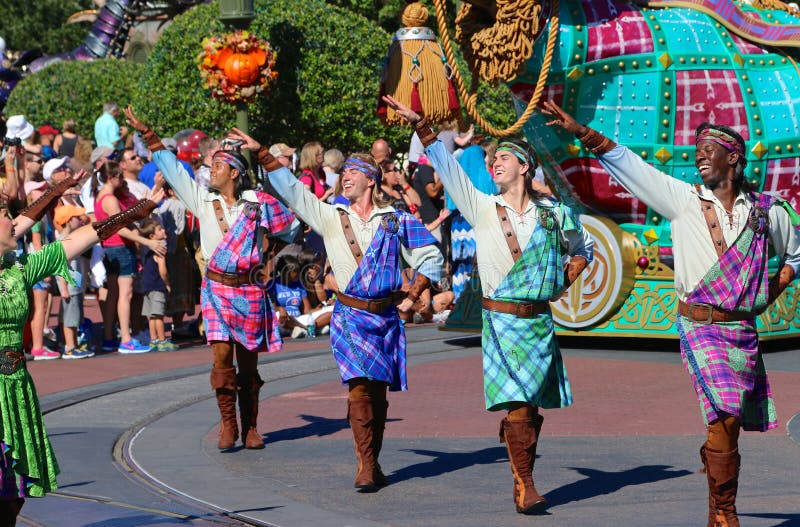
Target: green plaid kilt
[[522, 362]]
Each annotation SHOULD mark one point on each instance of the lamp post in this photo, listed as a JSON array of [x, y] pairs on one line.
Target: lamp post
[[238, 14]]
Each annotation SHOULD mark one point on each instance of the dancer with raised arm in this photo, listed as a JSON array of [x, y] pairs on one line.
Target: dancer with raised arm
[[530, 248], [720, 232], [239, 232], [28, 466], [365, 242]]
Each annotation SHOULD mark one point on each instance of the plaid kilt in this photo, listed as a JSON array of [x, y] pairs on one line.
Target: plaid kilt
[[240, 313], [369, 345], [728, 374], [522, 362]]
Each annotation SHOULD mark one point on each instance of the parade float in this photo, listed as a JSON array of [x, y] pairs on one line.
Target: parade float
[[645, 75]]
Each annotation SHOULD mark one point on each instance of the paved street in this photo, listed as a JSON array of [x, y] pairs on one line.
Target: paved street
[[136, 440]]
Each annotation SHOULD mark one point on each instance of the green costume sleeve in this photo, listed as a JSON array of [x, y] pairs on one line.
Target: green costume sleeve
[[49, 261]]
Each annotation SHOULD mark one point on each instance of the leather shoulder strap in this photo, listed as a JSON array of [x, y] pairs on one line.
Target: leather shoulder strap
[[223, 223], [350, 236], [714, 228], [508, 232]]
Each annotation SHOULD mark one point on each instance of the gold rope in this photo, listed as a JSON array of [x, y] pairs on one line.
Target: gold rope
[[470, 99], [776, 5]]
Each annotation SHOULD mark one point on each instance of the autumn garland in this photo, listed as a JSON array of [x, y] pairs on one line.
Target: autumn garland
[[237, 66]]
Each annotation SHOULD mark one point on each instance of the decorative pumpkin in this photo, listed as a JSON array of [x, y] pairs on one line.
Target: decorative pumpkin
[[243, 69], [236, 67]]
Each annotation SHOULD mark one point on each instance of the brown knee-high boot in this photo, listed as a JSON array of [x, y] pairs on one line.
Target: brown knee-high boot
[[223, 380], [250, 386], [9, 510], [380, 408], [521, 438], [722, 471], [362, 420]]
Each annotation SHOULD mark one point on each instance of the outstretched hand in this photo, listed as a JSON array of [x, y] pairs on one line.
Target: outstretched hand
[[247, 142], [134, 121], [561, 118], [401, 109], [156, 194]]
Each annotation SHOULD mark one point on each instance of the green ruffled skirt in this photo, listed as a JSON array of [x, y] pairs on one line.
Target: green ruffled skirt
[[29, 460]]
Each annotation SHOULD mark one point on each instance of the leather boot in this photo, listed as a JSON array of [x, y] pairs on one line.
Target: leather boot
[[521, 438], [250, 385], [223, 380], [362, 420], [722, 470], [379, 411]]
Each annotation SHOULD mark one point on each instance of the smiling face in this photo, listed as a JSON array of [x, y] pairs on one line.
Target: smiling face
[[715, 163], [221, 175], [508, 169], [355, 184]]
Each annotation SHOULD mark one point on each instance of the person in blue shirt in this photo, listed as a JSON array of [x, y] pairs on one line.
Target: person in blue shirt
[[106, 130]]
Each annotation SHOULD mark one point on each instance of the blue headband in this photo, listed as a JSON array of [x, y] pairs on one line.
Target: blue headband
[[230, 159], [518, 151], [363, 167]]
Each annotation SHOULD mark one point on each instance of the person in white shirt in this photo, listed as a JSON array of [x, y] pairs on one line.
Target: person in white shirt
[[530, 248], [721, 232]]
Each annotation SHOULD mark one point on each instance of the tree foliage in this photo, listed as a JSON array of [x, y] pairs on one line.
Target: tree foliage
[[41, 24], [328, 63], [74, 90]]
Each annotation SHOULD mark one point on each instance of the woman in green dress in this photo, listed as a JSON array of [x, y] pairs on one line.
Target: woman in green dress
[[27, 465]]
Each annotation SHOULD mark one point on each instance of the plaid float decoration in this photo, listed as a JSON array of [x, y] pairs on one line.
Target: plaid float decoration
[[521, 358], [367, 344], [243, 313], [724, 360]]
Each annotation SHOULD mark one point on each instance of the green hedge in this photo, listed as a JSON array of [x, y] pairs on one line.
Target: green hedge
[[74, 90], [329, 62]]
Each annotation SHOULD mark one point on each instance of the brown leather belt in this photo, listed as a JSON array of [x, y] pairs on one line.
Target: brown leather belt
[[376, 306], [520, 309], [229, 279], [708, 314]]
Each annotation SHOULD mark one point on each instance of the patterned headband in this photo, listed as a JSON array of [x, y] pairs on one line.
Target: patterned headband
[[515, 149], [229, 158], [363, 167], [727, 141]]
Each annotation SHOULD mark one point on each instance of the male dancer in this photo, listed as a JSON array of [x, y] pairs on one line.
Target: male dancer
[[236, 228], [530, 248], [365, 242], [720, 234]]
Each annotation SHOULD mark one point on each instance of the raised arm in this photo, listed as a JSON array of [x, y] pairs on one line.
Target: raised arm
[[30, 215], [304, 203], [456, 182], [81, 239], [187, 190], [665, 194]]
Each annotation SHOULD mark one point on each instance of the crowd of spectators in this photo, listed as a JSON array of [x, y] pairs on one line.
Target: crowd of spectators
[[145, 276]]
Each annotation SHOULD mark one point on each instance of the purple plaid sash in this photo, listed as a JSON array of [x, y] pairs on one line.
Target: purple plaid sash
[[374, 345], [724, 360]]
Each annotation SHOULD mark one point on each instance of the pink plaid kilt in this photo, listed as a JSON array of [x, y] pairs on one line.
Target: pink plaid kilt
[[240, 313]]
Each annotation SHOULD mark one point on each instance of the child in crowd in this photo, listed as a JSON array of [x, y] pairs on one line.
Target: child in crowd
[[155, 286], [67, 219], [292, 306]]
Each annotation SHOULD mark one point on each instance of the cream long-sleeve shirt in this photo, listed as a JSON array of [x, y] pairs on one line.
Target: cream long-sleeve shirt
[[678, 202], [480, 210], [325, 220], [200, 202]]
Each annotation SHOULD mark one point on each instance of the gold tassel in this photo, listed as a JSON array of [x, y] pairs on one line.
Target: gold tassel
[[416, 72]]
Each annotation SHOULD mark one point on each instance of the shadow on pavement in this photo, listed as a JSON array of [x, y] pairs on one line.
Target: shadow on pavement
[[135, 521], [599, 483], [789, 520], [317, 427], [444, 462]]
